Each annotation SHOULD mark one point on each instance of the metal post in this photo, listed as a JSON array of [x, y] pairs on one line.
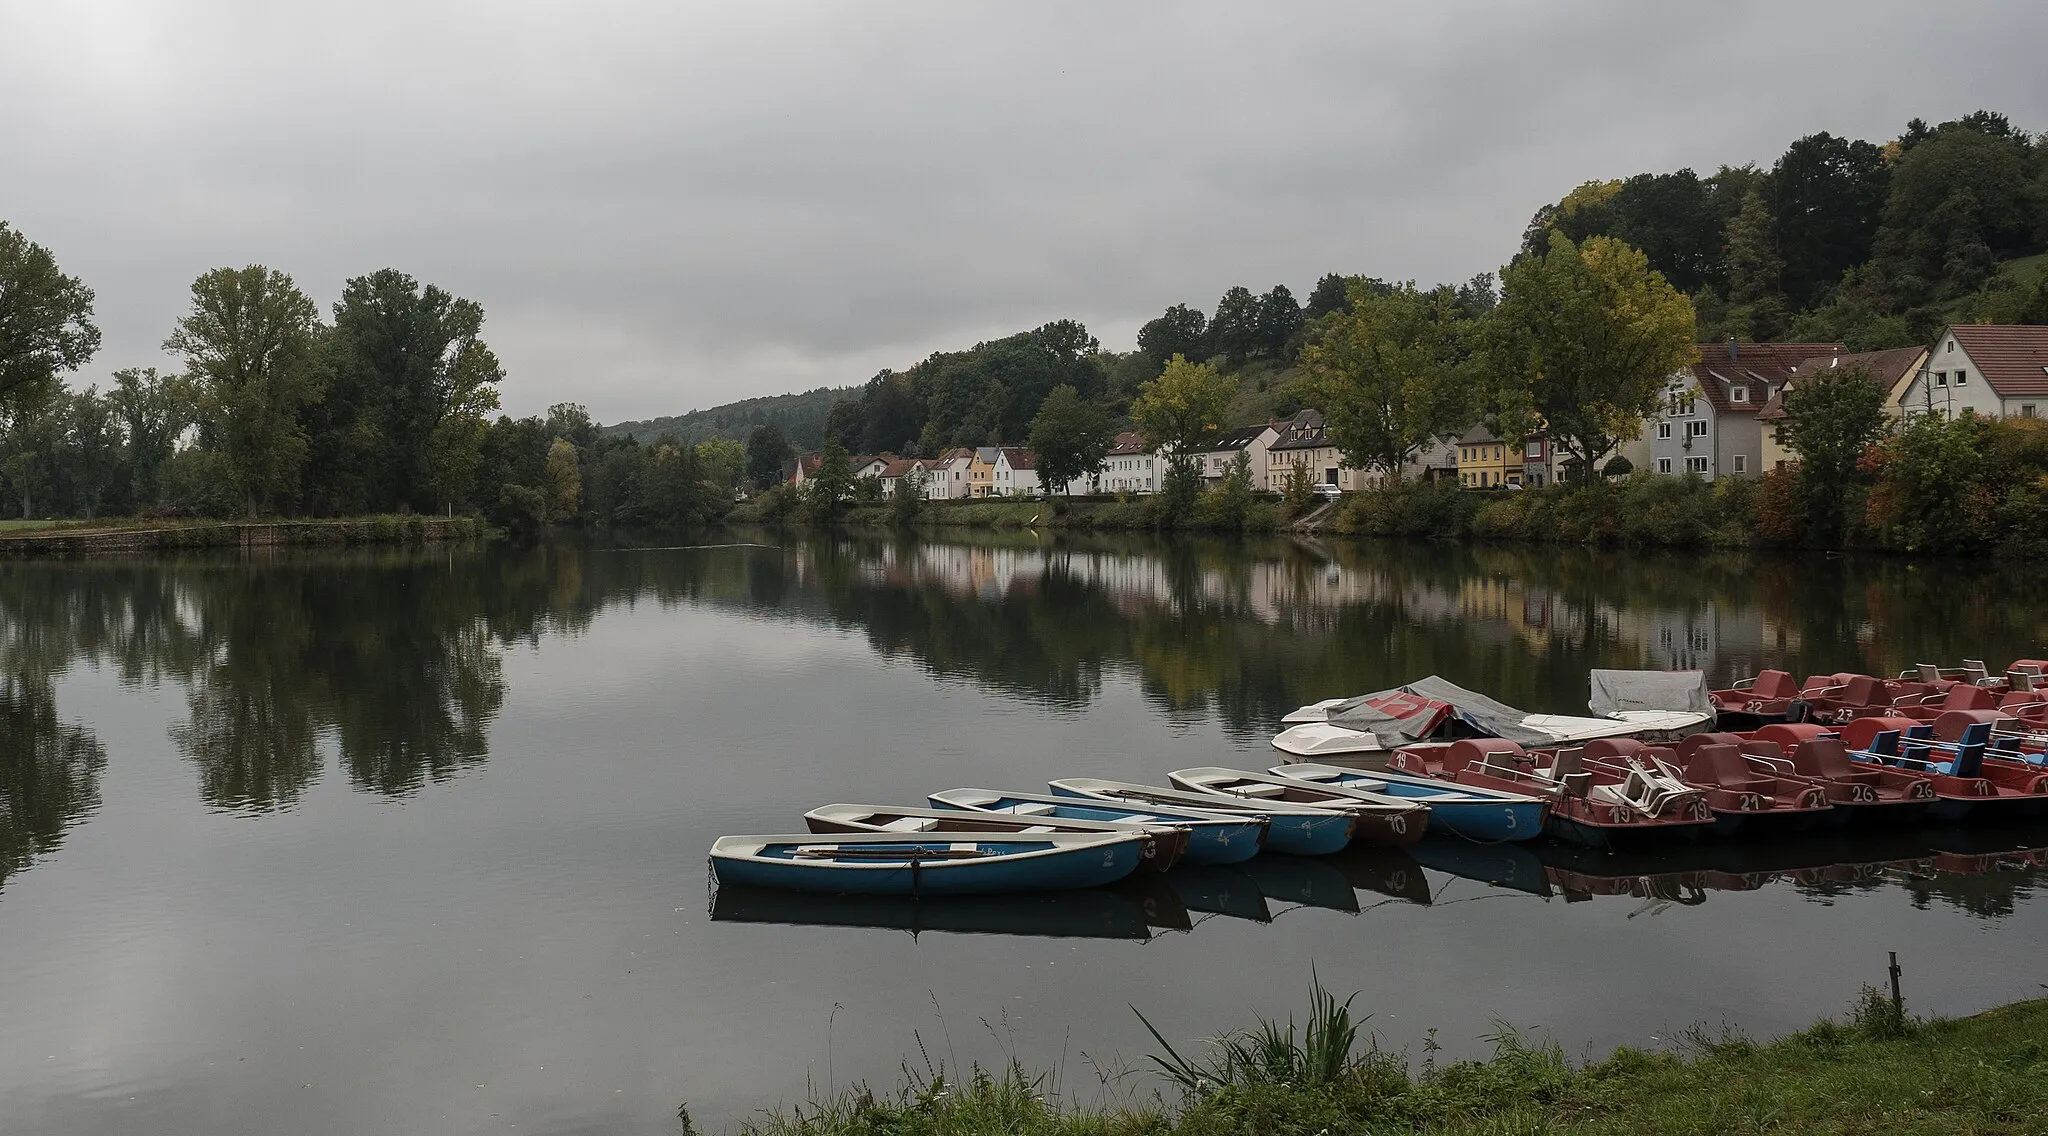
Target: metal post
[[1898, 1003]]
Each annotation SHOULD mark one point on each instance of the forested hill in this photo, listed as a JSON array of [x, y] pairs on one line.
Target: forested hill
[[801, 418], [1874, 244]]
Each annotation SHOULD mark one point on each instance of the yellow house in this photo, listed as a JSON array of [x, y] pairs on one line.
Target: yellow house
[[981, 471], [1483, 461]]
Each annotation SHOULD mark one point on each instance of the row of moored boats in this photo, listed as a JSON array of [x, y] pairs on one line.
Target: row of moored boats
[[1673, 761]]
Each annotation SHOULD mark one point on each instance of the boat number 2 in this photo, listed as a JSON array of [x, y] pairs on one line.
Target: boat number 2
[[1109, 859]]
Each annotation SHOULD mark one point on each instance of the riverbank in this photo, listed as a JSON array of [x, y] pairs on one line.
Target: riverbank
[[71, 540], [1877, 1072]]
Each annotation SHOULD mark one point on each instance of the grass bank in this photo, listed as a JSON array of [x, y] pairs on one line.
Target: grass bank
[[24, 540], [1877, 1072]]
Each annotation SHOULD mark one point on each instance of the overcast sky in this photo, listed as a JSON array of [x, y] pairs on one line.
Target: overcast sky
[[665, 206]]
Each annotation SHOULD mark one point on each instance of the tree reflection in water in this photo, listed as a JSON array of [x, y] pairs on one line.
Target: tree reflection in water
[[49, 774]]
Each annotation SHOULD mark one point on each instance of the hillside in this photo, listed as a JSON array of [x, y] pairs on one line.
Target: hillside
[[801, 417]]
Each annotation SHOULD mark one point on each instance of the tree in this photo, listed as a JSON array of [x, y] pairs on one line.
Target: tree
[[46, 326], [1831, 417], [405, 356], [455, 446], [1232, 500], [1180, 413], [830, 486], [1279, 318], [1181, 331], [1234, 329], [248, 346], [1756, 294], [1331, 294], [1827, 195], [908, 502], [1071, 437], [1299, 492], [153, 411], [564, 480], [91, 441], [723, 462], [29, 446], [1392, 375], [768, 451], [1584, 339]]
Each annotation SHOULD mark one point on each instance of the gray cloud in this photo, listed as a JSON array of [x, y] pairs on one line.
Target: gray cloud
[[666, 206]]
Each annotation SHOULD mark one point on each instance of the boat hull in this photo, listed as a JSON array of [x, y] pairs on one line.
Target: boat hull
[[1305, 834], [1053, 869], [1210, 839], [1453, 810]]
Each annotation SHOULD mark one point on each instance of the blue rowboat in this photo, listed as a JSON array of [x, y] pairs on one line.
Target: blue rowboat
[[1212, 838], [1460, 810], [1291, 828], [1375, 819], [963, 863]]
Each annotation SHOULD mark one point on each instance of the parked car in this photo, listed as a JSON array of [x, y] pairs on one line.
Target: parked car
[[1325, 489]]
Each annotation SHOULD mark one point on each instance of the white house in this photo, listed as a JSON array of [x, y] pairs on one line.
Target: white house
[[1016, 473], [898, 469], [1996, 370], [946, 475], [1132, 466]]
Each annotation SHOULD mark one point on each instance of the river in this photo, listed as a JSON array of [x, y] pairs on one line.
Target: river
[[413, 841]]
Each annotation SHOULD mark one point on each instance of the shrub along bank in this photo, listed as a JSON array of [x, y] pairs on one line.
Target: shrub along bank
[[1880, 1072]]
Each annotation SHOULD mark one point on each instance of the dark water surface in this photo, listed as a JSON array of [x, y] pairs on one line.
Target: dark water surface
[[414, 842]]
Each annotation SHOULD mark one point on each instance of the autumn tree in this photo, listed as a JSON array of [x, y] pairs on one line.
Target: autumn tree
[[1392, 374], [1583, 341], [1071, 436], [248, 344], [565, 480], [1180, 413]]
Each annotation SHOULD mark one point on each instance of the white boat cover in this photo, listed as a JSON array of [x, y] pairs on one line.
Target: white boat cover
[[1617, 691]]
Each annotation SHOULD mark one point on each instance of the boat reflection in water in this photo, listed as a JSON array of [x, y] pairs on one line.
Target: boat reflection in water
[[1984, 872]]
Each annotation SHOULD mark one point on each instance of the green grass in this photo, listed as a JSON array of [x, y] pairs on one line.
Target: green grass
[[1877, 1072]]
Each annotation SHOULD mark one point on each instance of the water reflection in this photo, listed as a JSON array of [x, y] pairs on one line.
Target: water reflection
[[1987, 885], [49, 773], [388, 665]]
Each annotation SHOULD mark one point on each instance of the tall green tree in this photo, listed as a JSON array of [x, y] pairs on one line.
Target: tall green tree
[[1071, 436], [1831, 417], [248, 344], [1331, 294], [768, 451], [1393, 374], [1234, 329], [564, 480], [1827, 195], [1756, 295], [406, 356], [46, 327], [1279, 318], [829, 489], [31, 443], [1584, 339], [1181, 331], [91, 448], [153, 410]]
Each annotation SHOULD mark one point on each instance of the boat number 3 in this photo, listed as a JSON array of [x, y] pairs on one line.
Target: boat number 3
[[1511, 819]]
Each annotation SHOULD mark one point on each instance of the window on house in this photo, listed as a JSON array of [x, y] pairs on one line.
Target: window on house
[[1742, 463], [1663, 465], [1962, 377], [1664, 430], [2026, 410], [1695, 465], [1697, 428], [1534, 450], [1951, 345], [1941, 378], [1738, 394]]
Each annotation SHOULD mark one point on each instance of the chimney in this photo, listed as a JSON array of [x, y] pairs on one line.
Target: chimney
[[1734, 351]]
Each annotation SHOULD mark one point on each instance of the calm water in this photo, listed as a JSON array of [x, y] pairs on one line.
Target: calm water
[[414, 842]]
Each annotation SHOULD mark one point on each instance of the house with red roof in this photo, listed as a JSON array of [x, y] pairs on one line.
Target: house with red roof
[[1015, 473], [1996, 370], [1890, 371], [1708, 425]]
